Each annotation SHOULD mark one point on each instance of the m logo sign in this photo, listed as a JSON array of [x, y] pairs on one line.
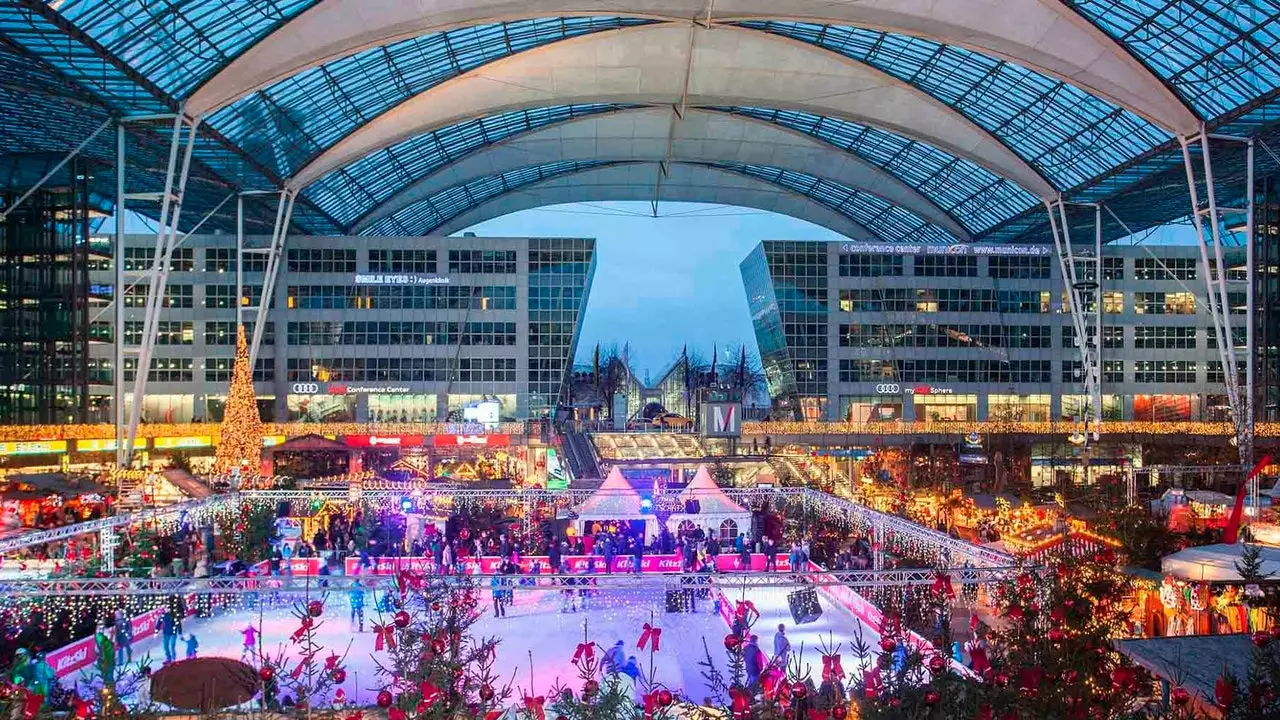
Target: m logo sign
[[722, 419]]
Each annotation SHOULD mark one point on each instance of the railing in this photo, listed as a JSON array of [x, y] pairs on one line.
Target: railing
[[316, 585], [104, 431], [1000, 427], [93, 526]]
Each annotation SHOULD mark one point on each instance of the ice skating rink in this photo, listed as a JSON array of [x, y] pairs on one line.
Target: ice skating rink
[[539, 634]]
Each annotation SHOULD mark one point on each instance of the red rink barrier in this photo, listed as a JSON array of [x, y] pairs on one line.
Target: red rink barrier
[[83, 653]]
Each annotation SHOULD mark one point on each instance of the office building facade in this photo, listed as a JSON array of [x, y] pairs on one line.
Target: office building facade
[[382, 329], [851, 331]]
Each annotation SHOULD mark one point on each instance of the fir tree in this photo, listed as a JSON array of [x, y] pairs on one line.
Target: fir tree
[[240, 446]]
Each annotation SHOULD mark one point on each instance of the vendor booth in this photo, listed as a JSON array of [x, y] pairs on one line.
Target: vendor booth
[[1202, 592], [706, 506], [615, 501]]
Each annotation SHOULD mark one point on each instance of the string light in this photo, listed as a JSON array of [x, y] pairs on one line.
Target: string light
[[1001, 427], [240, 442]]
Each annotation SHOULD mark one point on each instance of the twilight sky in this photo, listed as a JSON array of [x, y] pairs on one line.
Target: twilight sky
[[665, 281]]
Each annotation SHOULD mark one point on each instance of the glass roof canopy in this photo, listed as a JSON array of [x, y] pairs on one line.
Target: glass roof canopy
[[86, 60]]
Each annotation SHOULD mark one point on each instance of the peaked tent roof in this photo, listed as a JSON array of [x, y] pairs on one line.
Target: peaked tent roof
[[614, 500], [711, 499]]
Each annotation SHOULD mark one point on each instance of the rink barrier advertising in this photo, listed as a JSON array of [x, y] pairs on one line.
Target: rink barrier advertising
[[863, 609], [83, 653], [490, 565]]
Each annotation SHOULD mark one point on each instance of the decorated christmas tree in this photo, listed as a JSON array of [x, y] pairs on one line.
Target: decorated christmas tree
[[241, 445]]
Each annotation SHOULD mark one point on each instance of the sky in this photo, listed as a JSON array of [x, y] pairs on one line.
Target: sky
[[662, 281]]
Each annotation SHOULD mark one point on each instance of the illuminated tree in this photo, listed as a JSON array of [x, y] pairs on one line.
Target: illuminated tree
[[241, 444]]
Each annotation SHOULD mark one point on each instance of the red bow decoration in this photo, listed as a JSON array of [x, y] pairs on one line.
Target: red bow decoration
[[493, 715], [743, 608], [384, 634], [430, 693], [871, 678], [331, 663], [534, 706], [650, 633], [741, 703], [978, 660], [302, 629], [831, 667], [587, 650], [650, 704], [303, 663], [942, 586], [31, 704], [408, 580], [83, 710]]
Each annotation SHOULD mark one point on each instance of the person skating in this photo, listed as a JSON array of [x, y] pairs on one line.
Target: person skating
[[124, 637], [754, 661], [193, 646], [357, 606], [781, 648], [250, 649]]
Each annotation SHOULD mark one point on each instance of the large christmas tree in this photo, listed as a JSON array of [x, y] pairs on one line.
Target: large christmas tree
[[241, 443]]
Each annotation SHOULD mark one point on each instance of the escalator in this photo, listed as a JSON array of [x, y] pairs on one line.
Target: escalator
[[581, 454]]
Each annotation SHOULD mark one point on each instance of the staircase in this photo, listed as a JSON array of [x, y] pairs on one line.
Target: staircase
[[581, 455]]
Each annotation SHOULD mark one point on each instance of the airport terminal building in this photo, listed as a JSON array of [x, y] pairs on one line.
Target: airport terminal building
[[862, 331], [381, 329]]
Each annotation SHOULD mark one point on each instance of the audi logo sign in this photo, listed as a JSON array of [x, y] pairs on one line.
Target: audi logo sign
[[306, 388], [889, 388]]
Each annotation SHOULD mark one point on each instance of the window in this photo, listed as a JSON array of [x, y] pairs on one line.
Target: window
[[321, 260], [223, 260], [360, 332], [1112, 371], [486, 370], [393, 369], [168, 332], [489, 333], [868, 265], [1112, 302], [223, 296], [224, 333], [402, 261], [1023, 301], [1112, 268], [728, 530], [1018, 268], [139, 258], [220, 369], [566, 260], [1018, 408], [1158, 303], [1164, 371], [417, 297], [946, 266], [175, 296], [162, 370], [488, 262], [943, 371], [944, 335], [1238, 333], [1238, 302], [1214, 373], [1164, 338], [1112, 337], [1164, 269]]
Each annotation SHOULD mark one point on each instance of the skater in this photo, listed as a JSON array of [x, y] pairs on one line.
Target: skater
[[744, 553], [781, 648], [192, 646], [608, 555], [250, 648], [357, 605], [632, 670], [124, 638], [639, 554], [753, 657], [614, 659], [106, 654], [770, 555], [170, 628], [499, 608]]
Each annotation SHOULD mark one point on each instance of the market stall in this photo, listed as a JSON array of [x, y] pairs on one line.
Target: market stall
[[615, 500], [706, 506]]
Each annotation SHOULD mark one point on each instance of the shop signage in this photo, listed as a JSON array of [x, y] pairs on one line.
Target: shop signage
[[306, 388], [889, 388], [393, 279], [344, 389], [471, 440], [721, 419], [36, 447], [174, 443], [383, 440], [272, 440], [924, 249], [107, 445], [929, 390]]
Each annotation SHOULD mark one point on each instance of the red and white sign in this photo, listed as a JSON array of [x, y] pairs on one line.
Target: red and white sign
[[70, 658], [371, 441], [471, 440]]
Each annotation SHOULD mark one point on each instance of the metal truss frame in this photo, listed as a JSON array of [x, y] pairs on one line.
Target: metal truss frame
[[313, 585], [110, 523], [273, 251], [157, 277], [1211, 240], [1083, 293]]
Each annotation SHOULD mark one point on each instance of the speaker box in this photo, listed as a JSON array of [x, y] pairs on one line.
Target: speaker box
[[804, 606], [676, 601], [282, 509]]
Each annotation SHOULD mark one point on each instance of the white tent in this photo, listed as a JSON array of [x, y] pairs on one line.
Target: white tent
[[715, 507], [615, 500], [1215, 563]]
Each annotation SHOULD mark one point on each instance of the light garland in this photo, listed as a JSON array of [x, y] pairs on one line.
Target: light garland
[[1001, 427]]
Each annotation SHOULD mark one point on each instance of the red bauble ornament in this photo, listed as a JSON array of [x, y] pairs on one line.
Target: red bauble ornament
[[732, 642], [870, 693], [665, 698], [266, 672], [589, 689], [1014, 612], [932, 697], [384, 699], [1002, 680], [1261, 638], [895, 701], [1056, 635], [839, 712], [937, 664], [1058, 614], [887, 644], [339, 676], [401, 619], [421, 708], [315, 608], [435, 606], [486, 692], [1180, 696], [799, 690], [438, 645]]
